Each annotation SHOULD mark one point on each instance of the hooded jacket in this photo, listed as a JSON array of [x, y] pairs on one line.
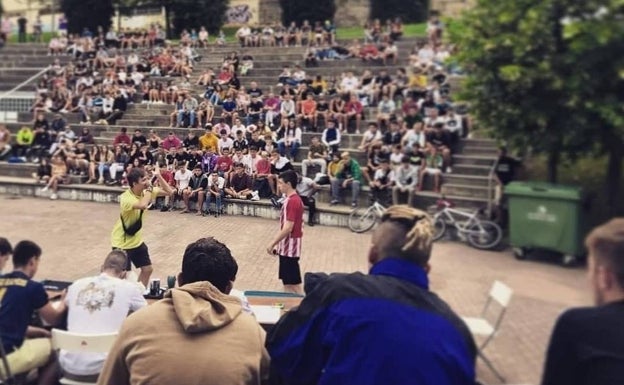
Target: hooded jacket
[[196, 335]]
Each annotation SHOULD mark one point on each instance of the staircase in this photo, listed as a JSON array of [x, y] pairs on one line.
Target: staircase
[[468, 185]]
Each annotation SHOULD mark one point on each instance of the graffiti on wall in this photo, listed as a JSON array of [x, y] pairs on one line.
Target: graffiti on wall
[[239, 14]]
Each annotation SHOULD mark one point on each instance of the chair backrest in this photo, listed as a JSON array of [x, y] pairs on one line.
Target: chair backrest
[[501, 293], [260, 293], [82, 343]]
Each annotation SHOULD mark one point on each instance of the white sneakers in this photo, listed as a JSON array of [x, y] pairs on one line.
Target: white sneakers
[[54, 197], [255, 196]]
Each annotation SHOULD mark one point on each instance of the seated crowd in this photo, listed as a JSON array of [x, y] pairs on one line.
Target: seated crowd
[[415, 123]]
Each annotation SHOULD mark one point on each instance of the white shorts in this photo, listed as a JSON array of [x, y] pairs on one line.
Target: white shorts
[[433, 171]]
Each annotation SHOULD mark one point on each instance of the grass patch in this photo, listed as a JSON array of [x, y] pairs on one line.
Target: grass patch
[[343, 33], [409, 30]]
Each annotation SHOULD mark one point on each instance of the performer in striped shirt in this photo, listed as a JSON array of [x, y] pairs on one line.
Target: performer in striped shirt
[[287, 242]]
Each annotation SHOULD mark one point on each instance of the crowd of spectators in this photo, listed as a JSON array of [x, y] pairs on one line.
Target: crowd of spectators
[[411, 124]]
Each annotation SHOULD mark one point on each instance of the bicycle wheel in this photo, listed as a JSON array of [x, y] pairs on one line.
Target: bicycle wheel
[[439, 227], [484, 235], [362, 219]]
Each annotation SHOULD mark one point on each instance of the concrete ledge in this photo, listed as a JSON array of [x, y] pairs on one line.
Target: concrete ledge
[[327, 215]]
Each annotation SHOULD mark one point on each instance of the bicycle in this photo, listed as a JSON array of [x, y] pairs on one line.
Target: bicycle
[[479, 233], [363, 219]]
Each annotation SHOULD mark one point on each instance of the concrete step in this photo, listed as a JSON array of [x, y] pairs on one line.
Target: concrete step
[[480, 142], [478, 160], [471, 169], [137, 122], [19, 170], [473, 150], [465, 179], [464, 190], [327, 215]]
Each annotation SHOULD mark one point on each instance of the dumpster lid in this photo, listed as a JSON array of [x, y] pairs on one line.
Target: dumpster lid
[[543, 190]]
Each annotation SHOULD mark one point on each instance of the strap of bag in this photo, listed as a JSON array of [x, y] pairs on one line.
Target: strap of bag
[[123, 225]]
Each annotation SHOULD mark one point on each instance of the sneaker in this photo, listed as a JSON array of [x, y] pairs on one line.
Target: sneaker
[[54, 197], [334, 202], [275, 203], [354, 204], [44, 189], [449, 170], [255, 196]]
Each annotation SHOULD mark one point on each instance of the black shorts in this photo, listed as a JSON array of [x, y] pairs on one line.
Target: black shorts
[[139, 256], [289, 271]]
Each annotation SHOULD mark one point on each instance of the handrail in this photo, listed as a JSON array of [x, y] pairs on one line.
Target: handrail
[[25, 82], [491, 195]]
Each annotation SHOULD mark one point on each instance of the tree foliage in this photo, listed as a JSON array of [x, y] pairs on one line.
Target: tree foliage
[[88, 13], [410, 11], [187, 14], [300, 10], [548, 75]]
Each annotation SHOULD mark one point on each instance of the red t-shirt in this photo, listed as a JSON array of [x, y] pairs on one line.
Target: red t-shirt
[[263, 166], [292, 211], [223, 163]]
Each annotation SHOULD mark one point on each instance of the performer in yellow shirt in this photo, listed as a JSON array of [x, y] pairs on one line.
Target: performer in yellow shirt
[[127, 232]]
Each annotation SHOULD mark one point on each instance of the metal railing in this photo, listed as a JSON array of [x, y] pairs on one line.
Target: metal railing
[[11, 105], [491, 195]]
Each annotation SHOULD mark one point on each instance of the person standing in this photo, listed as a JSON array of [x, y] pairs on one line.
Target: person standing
[[127, 233], [21, 28], [287, 242], [587, 344]]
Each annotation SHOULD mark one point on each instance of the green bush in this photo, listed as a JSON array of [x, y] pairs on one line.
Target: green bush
[[300, 10], [189, 14], [410, 11], [88, 14], [587, 173]]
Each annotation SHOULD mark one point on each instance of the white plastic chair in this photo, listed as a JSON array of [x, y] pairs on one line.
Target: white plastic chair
[[81, 343], [481, 327]]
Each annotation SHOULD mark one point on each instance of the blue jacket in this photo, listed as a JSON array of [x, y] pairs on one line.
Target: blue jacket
[[382, 328]]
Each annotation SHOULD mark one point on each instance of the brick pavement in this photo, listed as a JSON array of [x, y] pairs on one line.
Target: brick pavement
[[75, 239]]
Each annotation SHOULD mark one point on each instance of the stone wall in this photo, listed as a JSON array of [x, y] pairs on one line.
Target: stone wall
[[451, 8], [352, 12]]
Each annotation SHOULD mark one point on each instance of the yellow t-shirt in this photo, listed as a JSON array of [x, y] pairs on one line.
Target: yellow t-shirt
[[209, 142], [119, 238]]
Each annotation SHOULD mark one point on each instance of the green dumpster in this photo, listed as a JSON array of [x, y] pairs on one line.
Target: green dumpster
[[546, 216]]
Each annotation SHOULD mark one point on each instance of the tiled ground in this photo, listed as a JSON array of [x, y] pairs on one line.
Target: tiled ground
[[75, 239]]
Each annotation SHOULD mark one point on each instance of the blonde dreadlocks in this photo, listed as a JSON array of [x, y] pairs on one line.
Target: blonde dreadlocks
[[405, 232]]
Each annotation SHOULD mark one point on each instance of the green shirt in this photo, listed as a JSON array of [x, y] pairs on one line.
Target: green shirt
[[25, 136], [351, 170]]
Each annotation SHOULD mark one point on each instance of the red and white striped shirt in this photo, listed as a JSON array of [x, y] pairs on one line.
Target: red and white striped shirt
[[292, 211]]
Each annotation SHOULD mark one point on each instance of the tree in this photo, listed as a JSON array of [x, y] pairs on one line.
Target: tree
[[547, 75], [313, 11], [189, 14], [410, 11], [87, 14]]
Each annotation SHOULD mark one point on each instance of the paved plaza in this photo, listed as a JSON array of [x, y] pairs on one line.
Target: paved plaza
[[75, 239]]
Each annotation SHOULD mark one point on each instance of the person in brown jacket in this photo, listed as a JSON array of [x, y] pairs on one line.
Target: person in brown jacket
[[196, 335]]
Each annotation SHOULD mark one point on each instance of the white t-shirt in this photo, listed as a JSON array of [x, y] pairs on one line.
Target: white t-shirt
[[183, 178], [349, 83], [220, 183], [227, 143], [97, 305], [369, 136]]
